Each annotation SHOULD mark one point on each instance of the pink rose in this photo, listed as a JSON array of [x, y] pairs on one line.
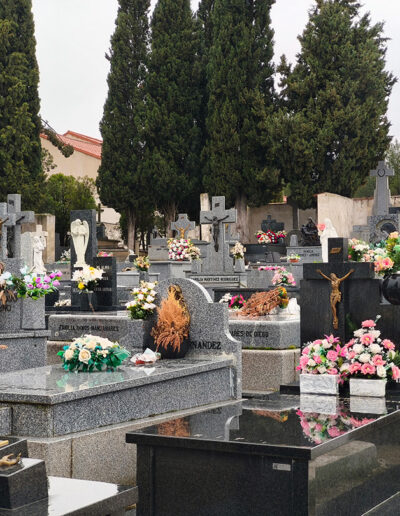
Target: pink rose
[[368, 369], [367, 339], [317, 359], [317, 342], [303, 361], [333, 371], [56, 283], [395, 373], [305, 351], [318, 427], [332, 355], [369, 323], [351, 355]]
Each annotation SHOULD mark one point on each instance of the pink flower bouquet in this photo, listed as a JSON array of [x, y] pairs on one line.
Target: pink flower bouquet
[[281, 276], [322, 356], [369, 356]]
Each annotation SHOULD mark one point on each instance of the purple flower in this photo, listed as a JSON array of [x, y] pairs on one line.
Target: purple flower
[[52, 275], [46, 279], [46, 287], [30, 285], [59, 274], [56, 283]]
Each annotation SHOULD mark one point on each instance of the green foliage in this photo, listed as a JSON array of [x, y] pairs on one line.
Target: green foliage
[[63, 194], [20, 149], [171, 131], [122, 182], [393, 160], [240, 90], [332, 128]]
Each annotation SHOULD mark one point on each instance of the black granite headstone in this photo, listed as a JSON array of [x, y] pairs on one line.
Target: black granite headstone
[[91, 251], [106, 290], [272, 225], [22, 484]]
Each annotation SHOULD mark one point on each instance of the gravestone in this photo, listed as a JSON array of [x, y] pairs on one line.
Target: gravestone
[[157, 250], [91, 251], [21, 217], [316, 291], [218, 259], [271, 224], [28, 244], [384, 219], [106, 289], [182, 225]]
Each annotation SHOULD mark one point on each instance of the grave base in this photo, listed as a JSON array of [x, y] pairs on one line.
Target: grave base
[[266, 370], [25, 349]]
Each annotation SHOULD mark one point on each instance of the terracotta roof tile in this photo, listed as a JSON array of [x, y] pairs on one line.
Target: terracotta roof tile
[[81, 143]]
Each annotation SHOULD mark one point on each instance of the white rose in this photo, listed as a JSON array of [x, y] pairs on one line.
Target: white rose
[[321, 369], [326, 344], [375, 333], [358, 348], [375, 348], [311, 363], [84, 356], [69, 354], [150, 299], [345, 367], [359, 332], [364, 357], [391, 354], [381, 371]]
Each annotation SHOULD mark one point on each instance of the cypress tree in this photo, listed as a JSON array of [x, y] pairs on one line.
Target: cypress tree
[[332, 128], [240, 89], [172, 133], [120, 179], [20, 125]]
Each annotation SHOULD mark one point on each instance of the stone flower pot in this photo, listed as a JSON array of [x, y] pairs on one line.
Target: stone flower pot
[[239, 265], [319, 384], [365, 387]]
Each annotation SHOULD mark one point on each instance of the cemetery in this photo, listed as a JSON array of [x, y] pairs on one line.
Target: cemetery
[[200, 311]]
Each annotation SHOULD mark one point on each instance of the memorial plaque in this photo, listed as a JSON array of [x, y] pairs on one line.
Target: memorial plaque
[[106, 290]]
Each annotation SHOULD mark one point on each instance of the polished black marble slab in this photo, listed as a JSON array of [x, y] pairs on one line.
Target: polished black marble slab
[[269, 457]]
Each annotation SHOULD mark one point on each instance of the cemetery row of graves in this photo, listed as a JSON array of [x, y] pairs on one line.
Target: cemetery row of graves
[[207, 377]]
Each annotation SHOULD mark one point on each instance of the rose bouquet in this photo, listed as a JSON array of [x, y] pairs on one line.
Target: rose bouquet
[[142, 263], [91, 352], [238, 251], [389, 264], [178, 248], [281, 276], [87, 278], [262, 238], [357, 250], [142, 305], [323, 356], [29, 285], [369, 356], [104, 254]]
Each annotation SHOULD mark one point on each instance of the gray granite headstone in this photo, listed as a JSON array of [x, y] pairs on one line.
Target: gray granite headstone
[[16, 218], [209, 327], [294, 241], [218, 259], [382, 191], [22, 484], [182, 225]]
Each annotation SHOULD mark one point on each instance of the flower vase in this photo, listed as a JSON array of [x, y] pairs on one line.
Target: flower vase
[[391, 289], [143, 276], [239, 265], [319, 384], [168, 352], [196, 267], [365, 387], [88, 301]]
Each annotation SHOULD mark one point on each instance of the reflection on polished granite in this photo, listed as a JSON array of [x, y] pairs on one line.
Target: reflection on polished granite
[[52, 384]]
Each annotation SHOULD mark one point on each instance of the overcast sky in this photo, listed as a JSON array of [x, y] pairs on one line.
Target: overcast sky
[[73, 36]]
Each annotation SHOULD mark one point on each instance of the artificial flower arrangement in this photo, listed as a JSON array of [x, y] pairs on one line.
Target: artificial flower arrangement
[[66, 256], [319, 428], [284, 298], [142, 263], [87, 278], [293, 257], [236, 302], [323, 356], [369, 356], [281, 276], [142, 305], [238, 251], [29, 285], [104, 254], [178, 248], [91, 352], [389, 263], [357, 250], [261, 304], [270, 237], [193, 253]]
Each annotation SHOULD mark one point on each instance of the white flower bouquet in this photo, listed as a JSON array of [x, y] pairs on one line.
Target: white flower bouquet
[[87, 278], [178, 249], [142, 305]]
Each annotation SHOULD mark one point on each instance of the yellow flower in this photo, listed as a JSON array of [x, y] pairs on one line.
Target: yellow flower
[[69, 354], [91, 268], [81, 286]]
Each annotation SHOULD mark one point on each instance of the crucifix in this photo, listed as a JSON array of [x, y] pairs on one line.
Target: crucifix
[[183, 225], [332, 294]]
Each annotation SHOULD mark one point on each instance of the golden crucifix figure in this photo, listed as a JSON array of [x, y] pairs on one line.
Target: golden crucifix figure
[[336, 295]]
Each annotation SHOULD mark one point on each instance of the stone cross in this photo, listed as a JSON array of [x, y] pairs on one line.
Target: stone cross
[[216, 217], [183, 225], [15, 217], [272, 224], [7, 221], [382, 191], [99, 212]]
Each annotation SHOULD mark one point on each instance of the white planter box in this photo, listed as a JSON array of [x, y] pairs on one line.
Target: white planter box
[[361, 387], [319, 404], [368, 405], [319, 384]]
